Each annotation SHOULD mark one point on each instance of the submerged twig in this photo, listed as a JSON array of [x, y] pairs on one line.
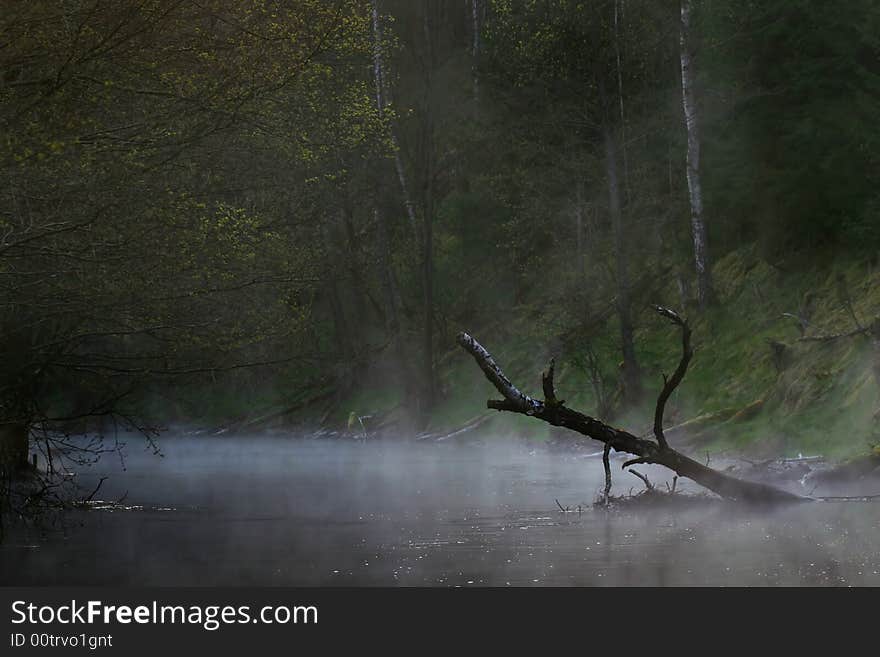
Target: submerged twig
[[644, 478], [95, 492]]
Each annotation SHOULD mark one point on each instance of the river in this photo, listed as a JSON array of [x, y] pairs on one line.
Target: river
[[295, 511]]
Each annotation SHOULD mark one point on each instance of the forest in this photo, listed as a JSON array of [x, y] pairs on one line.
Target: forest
[[275, 214]]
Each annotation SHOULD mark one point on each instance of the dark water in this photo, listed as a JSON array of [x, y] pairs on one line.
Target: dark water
[[279, 511]]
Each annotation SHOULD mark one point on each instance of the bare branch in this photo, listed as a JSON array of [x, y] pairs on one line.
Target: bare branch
[[547, 383], [95, 491], [833, 336], [606, 453], [644, 478], [622, 441], [672, 383], [639, 461], [516, 400]]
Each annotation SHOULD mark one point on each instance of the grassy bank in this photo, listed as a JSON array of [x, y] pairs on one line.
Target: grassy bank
[[753, 386]]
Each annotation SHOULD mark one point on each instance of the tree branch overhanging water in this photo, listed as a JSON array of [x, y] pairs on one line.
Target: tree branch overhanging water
[[555, 412]]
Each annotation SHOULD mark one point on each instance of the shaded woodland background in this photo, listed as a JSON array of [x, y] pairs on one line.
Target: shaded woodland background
[[216, 211]]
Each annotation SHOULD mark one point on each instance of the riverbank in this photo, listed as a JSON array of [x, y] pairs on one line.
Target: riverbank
[[762, 384]]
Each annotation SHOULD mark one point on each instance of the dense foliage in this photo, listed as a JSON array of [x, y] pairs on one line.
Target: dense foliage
[[271, 197]]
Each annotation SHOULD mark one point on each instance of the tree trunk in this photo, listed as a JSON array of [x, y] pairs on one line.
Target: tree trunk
[[352, 252], [475, 48], [342, 335], [389, 283], [13, 446], [340, 325], [386, 275], [554, 412], [631, 375], [428, 270], [430, 27], [379, 80], [618, 17], [579, 232], [705, 293], [404, 187]]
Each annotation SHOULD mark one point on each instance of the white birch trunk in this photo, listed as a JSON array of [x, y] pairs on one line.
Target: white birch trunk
[[698, 225]]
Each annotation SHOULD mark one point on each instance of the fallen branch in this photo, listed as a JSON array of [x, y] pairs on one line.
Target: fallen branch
[[644, 478], [849, 498], [470, 425], [557, 414], [834, 336], [846, 300]]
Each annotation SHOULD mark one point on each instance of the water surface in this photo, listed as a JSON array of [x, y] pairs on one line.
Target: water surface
[[293, 511]]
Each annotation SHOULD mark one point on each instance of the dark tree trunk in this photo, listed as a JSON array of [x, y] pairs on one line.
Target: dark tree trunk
[[476, 12], [352, 250], [340, 325], [382, 92], [580, 232], [430, 27], [631, 374], [344, 342], [13, 446], [386, 275]]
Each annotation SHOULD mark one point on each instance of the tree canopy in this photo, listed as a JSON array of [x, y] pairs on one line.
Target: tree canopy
[[290, 195]]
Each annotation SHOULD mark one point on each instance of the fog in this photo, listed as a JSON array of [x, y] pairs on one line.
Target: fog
[[293, 511]]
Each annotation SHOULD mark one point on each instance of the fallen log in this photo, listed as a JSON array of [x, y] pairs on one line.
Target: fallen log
[[554, 411]]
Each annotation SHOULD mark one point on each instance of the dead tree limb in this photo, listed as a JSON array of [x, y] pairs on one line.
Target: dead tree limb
[[557, 414], [834, 336], [648, 485], [547, 384], [669, 385], [845, 299]]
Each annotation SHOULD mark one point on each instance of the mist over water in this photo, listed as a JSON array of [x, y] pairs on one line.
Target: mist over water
[[294, 511]]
